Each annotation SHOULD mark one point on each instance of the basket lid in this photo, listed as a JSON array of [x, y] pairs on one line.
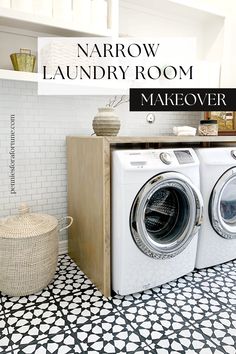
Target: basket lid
[[26, 224]]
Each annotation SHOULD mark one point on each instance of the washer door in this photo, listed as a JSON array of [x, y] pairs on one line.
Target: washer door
[[165, 215], [222, 206]]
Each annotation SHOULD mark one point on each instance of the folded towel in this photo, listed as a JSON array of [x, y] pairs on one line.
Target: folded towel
[[185, 134], [185, 130]]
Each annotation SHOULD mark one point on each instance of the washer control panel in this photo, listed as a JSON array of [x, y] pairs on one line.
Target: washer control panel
[[183, 156], [154, 158]]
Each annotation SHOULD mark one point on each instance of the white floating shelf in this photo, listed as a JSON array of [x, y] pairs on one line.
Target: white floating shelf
[[48, 25], [18, 75], [84, 87]]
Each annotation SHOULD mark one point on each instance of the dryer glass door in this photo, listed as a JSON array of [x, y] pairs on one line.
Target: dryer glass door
[[223, 205], [165, 215]]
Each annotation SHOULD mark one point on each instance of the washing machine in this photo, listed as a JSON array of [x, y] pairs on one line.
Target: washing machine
[[156, 214], [217, 238]]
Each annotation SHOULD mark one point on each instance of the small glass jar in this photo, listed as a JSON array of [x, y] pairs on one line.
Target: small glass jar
[[208, 127]]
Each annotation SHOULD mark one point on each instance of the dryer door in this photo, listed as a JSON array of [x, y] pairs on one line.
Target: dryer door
[[165, 215], [222, 206]]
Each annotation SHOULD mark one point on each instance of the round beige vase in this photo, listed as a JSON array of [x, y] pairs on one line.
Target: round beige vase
[[106, 123]]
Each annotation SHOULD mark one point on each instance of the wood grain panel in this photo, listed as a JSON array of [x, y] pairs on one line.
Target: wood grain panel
[[89, 205]]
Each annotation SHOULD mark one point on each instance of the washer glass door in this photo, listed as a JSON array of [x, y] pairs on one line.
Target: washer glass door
[[222, 207], [165, 215]]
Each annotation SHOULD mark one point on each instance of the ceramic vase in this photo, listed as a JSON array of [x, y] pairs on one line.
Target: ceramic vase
[[106, 123]]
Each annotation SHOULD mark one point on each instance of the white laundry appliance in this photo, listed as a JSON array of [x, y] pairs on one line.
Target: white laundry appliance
[[217, 238], [156, 214]]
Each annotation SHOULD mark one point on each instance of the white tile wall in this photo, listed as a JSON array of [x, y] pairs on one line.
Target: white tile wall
[[42, 123]]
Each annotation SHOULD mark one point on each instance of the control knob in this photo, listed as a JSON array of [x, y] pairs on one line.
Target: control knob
[[233, 154], [166, 158]]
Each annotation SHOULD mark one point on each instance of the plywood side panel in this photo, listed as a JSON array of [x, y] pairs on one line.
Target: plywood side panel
[[89, 205]]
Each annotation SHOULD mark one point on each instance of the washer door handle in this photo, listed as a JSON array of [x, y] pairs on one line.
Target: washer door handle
[[199, 206], [217, 221]]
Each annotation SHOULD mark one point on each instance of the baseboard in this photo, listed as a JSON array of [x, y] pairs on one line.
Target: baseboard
[[63, 247]]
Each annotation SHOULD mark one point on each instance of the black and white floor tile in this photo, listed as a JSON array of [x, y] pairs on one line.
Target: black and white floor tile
[[194, 314]]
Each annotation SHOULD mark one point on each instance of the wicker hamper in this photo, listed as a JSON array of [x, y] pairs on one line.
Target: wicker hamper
[[28, 252]]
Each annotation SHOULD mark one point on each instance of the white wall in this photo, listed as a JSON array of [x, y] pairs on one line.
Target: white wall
[[163, 18], [211, 22], [42, 124], [226, 8]]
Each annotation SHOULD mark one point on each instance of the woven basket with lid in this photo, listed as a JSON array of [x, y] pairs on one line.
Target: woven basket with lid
[[28, 252]]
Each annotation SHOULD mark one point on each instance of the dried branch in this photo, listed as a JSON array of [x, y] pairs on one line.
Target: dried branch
[[116, 101]]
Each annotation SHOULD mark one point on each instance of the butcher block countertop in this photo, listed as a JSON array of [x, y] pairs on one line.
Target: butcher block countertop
[[163, 139]]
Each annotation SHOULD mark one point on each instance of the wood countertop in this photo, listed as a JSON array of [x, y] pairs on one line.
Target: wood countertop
[[164, 139]]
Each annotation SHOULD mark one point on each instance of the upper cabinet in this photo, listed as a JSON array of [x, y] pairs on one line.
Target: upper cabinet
[[23, 21], [61, 17]]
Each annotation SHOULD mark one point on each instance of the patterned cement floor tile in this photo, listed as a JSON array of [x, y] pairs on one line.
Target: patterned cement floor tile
[[187, 340], [195, 314], [34, 323], [62, 343], [5, 343], [110, 334], [221, 329], [11, 304]]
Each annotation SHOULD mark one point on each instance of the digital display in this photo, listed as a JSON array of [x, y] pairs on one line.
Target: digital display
[[183, 156], [138, 163]]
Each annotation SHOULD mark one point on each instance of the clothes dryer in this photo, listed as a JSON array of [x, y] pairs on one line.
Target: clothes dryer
[[217, 237]]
